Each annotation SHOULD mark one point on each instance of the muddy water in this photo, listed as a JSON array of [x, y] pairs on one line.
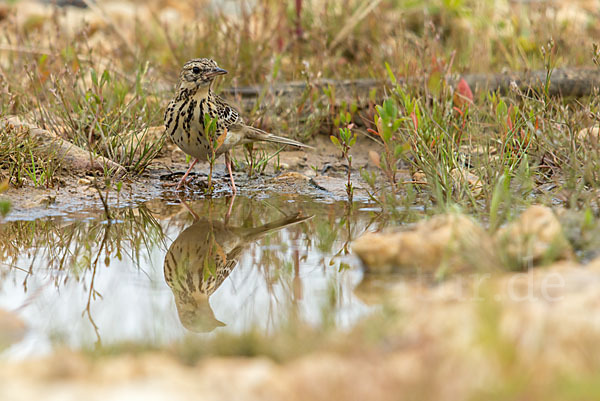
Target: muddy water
[[166, 269]]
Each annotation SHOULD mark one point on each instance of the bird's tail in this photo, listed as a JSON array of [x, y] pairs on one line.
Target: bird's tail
[[256, 134]]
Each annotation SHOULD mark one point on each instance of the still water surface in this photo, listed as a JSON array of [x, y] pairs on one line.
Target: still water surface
[[157, 272]]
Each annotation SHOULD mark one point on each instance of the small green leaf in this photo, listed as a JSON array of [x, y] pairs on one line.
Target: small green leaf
[[501, 110], [105, 78], [391, 74], [434, 84], [387, 134], [352, 141], [94, 77], [398, 150], [373, 94], [276, 66], [4, 207]]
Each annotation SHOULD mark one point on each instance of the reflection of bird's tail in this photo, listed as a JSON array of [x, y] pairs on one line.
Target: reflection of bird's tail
[[255, 134], [256, 232]]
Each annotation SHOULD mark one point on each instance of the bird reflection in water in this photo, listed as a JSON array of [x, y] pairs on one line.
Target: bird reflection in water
[[202, 257]]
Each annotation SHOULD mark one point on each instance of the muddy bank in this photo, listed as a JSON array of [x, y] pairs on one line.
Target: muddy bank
[[320, 172]]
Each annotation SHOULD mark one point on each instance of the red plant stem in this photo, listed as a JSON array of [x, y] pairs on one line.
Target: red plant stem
[[298, 16]]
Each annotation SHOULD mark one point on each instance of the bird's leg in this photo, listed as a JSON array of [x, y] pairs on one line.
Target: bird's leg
[[228, 164], [228, 215], [194, 214], [182, 181]]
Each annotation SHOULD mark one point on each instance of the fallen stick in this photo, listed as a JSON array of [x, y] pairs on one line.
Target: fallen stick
[[72, 156], [574, 82]]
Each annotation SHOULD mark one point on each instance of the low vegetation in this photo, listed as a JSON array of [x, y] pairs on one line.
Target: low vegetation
[[444, 146]]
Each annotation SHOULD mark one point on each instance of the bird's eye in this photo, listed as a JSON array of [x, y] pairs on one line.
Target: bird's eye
[[196, 70]]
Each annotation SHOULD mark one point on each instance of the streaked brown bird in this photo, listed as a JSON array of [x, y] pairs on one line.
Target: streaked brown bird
[[193, 100], [202, 257]]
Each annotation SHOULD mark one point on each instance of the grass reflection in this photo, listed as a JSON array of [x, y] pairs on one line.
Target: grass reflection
[[280, 266]]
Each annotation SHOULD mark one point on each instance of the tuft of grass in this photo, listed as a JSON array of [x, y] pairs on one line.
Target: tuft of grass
[[105, 114], [23, 160], [494, 154]]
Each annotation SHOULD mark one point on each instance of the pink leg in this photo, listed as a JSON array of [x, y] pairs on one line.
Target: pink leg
[[228, 163], [229, 209], [182, 181], [194, 215]]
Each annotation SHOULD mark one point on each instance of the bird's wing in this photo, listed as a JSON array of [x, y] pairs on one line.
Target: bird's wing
[[229, 116]]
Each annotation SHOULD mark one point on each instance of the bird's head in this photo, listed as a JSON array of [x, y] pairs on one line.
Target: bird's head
[[199, 72]]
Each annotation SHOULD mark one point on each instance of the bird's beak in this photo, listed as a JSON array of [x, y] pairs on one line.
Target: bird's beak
[[217, 71]]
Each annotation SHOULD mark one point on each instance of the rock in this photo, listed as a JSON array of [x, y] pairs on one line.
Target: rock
[[589, 135], [335, 186], [419, 177], [309, 172], [292, 175], [448, 242], [462, 175], [535, 237], [45, 200]]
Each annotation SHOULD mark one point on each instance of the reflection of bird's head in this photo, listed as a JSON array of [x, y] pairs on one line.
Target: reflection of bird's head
[[195, 313], [199, 72]]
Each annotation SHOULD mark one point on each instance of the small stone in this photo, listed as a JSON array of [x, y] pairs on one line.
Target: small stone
[[453, 242], [589, 135], [535, 237], [461, 175], [46, 200], [309, 172], [292, 175], [419, 177]]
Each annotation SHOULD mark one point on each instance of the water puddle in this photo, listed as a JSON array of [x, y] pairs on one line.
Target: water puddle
[[157, 272]]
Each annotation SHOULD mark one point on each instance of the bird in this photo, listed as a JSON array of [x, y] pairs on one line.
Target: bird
[[193, 100], [202, 257]]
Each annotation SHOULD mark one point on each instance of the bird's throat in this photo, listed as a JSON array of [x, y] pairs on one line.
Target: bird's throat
[[202, 93]]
